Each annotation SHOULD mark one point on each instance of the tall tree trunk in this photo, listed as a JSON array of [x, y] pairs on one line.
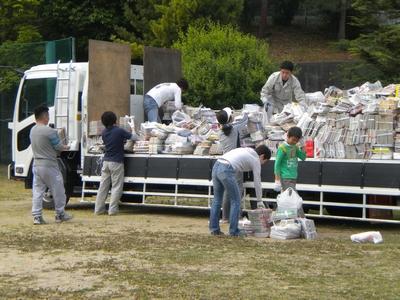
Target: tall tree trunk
[[342, 20], [263, 18]]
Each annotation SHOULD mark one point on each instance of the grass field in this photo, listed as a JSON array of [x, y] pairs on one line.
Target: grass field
[[168, 254]]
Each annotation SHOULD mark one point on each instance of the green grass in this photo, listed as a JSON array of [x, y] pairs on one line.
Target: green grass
[[150, 254]]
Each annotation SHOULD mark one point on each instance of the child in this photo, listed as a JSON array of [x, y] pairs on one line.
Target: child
[[285, 168], [112, 171]]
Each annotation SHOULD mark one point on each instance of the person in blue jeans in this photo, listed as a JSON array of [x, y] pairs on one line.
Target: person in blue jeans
[[224, 179], [161, 93]]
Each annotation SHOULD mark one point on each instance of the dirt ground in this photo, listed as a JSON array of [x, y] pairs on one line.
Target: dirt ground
[[167, 253]]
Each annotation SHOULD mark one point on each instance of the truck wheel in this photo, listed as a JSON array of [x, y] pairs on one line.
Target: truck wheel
[[48, 201]]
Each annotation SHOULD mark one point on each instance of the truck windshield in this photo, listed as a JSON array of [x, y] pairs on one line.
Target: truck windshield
[[35, 92]]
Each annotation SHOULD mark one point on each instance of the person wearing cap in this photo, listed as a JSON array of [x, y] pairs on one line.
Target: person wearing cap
[[229, 137], [281, 88], [161, 93], [224, 171]]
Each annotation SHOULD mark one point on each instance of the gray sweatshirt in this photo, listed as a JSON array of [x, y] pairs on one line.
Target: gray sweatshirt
[[45, 143], [230, 142], [278, 94], [245, 160]]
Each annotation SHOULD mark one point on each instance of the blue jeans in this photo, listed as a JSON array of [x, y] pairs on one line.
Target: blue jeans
[[224, 179], [150, 107]]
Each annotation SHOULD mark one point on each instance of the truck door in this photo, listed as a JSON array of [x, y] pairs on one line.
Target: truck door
[[34, 90]]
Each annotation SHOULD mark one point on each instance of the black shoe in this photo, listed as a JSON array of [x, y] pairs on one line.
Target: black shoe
[[217, 233]]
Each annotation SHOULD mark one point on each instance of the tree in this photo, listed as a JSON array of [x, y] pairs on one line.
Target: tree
[[284, 11], [137, 32], [90, 19], [263, 18], [18, 20], [177, 15], [334, 13], [223, 66]]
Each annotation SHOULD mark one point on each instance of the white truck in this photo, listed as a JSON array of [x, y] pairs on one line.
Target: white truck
[[77, 93]]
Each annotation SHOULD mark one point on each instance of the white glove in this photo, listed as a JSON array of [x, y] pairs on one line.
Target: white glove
[[131, 122], [260, 204], [277, 186], [72, 145]]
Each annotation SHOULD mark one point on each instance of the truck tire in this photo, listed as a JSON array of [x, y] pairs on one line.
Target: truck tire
[[48, 201]]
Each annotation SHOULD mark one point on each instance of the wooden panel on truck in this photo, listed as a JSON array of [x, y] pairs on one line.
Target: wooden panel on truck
[[309, 172], [160, 65], [341, 173], [382, 175], [159, 167], [109, 79], [135, 166], [198, 168]]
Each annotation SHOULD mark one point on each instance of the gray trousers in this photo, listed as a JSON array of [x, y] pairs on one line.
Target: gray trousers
[[47, 177], [287, 183], [226, 204], [111, 173]]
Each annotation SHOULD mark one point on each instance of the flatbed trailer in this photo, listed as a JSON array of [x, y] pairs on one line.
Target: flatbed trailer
[[366, 190]]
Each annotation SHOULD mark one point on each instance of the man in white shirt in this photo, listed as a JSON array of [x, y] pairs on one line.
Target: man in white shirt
[[224, 180], [160, 94], [280, 89]]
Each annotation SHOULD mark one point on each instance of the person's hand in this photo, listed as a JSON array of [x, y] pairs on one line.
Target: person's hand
[[131, 123], [267, 106], [260, 204], [277, 186]]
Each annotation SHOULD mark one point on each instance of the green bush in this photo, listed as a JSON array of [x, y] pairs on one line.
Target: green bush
[[223, 66]]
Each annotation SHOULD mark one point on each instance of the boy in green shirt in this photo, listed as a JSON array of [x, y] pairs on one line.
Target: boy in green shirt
[[285, 168]]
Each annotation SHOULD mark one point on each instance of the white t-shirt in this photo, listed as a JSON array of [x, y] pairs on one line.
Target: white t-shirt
[[164, 92], [245, 160]]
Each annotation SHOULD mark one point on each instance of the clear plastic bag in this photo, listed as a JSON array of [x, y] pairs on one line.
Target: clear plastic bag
[[368, 236], [285, 230]]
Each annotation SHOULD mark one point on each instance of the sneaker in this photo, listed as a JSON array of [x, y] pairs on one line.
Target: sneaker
[[241, 234], [38, 220], [223, 221], [63, 218], [217, 233], [101, 212]]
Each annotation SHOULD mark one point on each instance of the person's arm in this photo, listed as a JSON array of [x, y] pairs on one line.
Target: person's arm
[[278, 164], [129, 135], [56, 142], [178, 98], [300, 153], [241, 123], [299, 94], [257, 179], [266, 91]]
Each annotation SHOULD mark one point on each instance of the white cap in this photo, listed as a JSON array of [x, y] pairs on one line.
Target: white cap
[[228, 112]]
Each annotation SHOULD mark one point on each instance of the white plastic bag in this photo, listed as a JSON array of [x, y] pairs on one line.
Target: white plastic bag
[[368, 236], [285, 230], [289, 199]]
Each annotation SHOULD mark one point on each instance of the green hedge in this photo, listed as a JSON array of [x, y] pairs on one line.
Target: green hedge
[[224, 67]]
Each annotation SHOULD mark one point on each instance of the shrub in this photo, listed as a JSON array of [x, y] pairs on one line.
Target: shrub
[[223, 66]]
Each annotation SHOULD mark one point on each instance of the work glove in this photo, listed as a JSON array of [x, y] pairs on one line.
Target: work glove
[[277, 186], [267, 106], [260, 204], [131, 122]]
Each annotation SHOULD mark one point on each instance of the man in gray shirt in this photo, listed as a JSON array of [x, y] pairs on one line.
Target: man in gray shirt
[[45, 144], [281, 88]]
